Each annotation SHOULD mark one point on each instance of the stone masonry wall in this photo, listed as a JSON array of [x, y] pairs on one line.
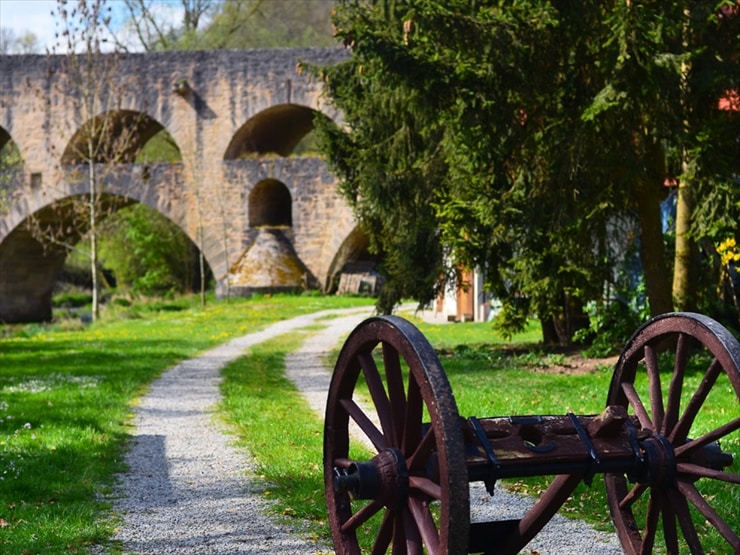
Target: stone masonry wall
[[39, 111]]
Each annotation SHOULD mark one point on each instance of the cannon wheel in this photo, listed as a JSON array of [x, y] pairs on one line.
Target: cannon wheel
[[673, 417], [422, 501]]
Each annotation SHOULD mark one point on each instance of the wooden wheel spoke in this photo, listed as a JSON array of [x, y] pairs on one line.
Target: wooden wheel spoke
[[423, 451], [424, 521], [366, 425], [674, 389], [681, 429], [697, 500], [656, 393], [698, 471], [706, 439], [362, 516], [542, 511], [412, 419], [394, 379], [634, 495], [651, 524], [670, 532], [411, 536], [426, 486], [377, 392], [634, 399], [385, 535], [688, 529]]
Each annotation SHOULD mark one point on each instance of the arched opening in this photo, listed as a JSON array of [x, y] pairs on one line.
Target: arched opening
[[161, 147], [47, 255], [270, 263], [10, 156], [121, 136], [33, 253], [145, 252], [11, 169], [354, 268], [281, 130], [270, 205]]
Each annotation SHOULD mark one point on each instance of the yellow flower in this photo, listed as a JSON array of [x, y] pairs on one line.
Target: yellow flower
[[728, 251]]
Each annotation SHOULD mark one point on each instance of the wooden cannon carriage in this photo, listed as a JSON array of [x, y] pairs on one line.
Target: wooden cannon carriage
[[657, 449]]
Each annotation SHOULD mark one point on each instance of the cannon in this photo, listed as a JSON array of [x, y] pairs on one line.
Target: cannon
[[399, 459]]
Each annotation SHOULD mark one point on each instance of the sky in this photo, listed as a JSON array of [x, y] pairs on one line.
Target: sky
[[36, 16], [22, 16]]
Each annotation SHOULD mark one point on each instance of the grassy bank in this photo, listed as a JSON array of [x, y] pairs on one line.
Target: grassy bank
[[66, 394]]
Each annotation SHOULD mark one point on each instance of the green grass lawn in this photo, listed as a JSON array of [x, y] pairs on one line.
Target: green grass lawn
[[66, 399]]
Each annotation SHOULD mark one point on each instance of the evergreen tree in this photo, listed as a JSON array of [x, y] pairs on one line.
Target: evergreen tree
[[526, 138]]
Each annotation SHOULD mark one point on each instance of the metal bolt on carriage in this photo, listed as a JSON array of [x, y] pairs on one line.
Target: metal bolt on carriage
[[659, 443]]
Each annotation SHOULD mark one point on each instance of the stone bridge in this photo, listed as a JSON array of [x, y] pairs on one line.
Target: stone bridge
[[242, 185]]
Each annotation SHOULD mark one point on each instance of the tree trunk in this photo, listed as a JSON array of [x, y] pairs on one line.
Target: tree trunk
[[685, 264], [93, 241], [685, 272], [549, 332], [652, 250]]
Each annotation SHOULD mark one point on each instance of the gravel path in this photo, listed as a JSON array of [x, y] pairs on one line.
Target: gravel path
[[189, 491]]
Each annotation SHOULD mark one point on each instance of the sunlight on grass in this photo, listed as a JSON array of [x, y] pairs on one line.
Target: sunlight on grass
[[67, 395], [280, 431], [66, 404]]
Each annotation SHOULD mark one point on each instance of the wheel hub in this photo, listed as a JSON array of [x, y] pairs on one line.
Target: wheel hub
[[659, 469], [385, 478]]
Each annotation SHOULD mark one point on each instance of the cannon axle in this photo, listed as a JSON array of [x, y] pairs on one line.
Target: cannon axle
[[660, 456]]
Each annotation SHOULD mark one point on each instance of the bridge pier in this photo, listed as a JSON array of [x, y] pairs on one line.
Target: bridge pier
[[27, 276]]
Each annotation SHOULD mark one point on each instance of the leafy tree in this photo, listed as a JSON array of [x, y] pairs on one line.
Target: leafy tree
[[206, 24], [105, 137], [673, 64], [147, 253], [155, 28], [270, 24], [27, 43], [526, 138]]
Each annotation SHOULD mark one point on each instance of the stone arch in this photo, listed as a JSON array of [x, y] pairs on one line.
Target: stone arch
[[117, 135], [4, 137], [10, 155], [354, 258], [275, 130], [270, 205], [25, 296]]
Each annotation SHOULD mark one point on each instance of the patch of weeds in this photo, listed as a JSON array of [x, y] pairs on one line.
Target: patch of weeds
[[71, 299], [500, 358]]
